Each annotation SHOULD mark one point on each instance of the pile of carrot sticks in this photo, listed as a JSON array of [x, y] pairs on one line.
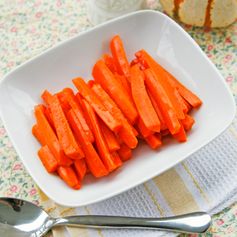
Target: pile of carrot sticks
[[95, 129]]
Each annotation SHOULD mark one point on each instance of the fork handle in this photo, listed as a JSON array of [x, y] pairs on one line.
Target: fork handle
[[196, 222]]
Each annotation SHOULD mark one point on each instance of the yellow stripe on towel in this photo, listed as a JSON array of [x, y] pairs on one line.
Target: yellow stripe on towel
[[175, 192], [196, 183], [153, 198]]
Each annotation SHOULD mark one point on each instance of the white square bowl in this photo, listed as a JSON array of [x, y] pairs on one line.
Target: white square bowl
[[170, 45]]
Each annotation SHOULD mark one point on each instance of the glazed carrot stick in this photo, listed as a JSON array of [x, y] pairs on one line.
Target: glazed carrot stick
[[142, 101], [90, 83], [163, 101], [188, 122], [106, 79], [126, 86], [63, 101], [189, 107], [109, 137], [68, 175], [181, 135], [158, 112], [116, 159], [154, 141], [64, 132], [124, 83], [48, 115], [135, 132], [38, 134], [48, 160], [161, 77], [50, 137], [125, 152], [68, 91], [135, 61], [188, 95], [78, 98], [92, 159], [99, 139], [78, 111], [181, 101], [96, 104], [109, 61], [126, 133], [145, 132], [80, 168], [85, 114], [46, 95], [119, 56]]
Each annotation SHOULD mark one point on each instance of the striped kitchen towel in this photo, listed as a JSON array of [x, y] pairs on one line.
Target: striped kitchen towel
[[205, 181]]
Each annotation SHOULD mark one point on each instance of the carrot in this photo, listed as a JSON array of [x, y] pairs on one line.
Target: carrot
[[162, 99], [181, 135], [161, 77], [126, 133], [63, 101], [68, 91], [116, 159], [189, 107], [68, 175], [46, 95], [92, 159], [86, 115], [188, 122], [80, 168], [126, 86], [135, 61], [188, 95], [99, 139], [158, 112], [154, 141], [125, 152], [144, 131], [119, 55], [78, 111], [38, 135], [63, 130], [48, 115], [96, 104], [181, 101], [50, 137], [109, 137], [48, 160], [135, 132], [142, 101], [106, 79], [109, 61], [78, 98], [124, 83], [90, 83]]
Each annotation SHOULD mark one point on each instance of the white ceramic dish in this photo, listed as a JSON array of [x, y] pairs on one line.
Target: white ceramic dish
[[164, 39]]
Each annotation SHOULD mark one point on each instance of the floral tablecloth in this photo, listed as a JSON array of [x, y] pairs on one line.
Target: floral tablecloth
[[28, 27]]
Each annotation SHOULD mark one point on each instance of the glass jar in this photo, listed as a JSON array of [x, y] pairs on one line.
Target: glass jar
[[102, 10]]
